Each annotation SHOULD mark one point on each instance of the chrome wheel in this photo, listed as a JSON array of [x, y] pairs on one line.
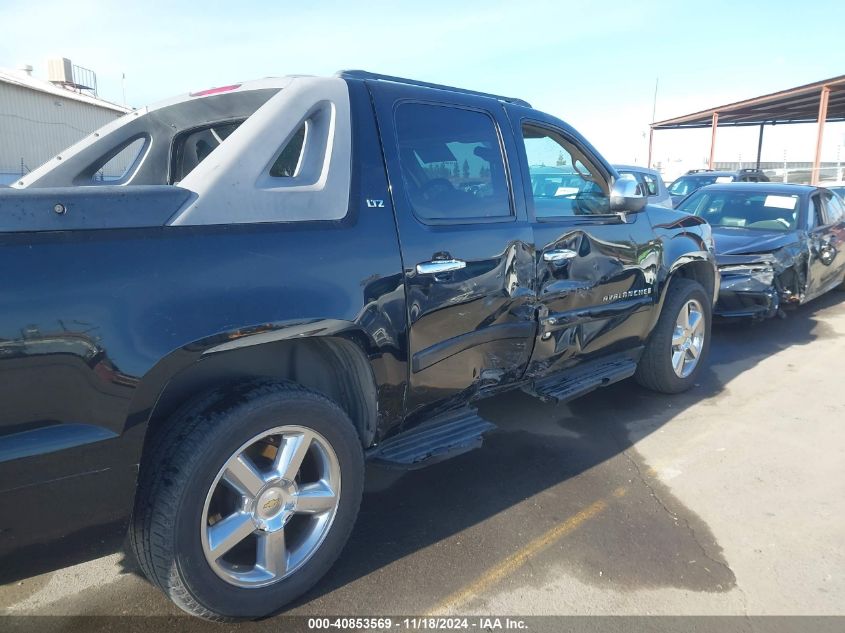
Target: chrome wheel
[[270, 506], [688, 338]]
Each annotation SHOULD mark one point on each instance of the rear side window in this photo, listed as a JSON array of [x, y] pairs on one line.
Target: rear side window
[[834, 208], [288, 163], [451, 162], [119, 166], [192, 147], [650, 185], [815, 216]]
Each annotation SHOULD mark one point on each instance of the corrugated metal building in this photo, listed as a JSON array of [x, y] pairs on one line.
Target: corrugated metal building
[[39, 119]]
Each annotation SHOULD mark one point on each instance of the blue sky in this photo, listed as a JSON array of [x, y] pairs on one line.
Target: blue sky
[[592, 64]]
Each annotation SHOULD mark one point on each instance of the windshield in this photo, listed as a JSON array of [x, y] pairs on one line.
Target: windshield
[[687, 184], [744, 209]]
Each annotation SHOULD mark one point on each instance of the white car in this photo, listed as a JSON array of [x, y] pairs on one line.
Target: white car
[[651, 183]]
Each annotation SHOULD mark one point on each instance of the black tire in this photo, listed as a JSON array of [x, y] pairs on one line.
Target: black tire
[[655, 370], [178, 471]]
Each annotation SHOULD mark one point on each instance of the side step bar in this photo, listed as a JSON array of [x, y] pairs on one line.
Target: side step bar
[[445, 436], [568, 386]]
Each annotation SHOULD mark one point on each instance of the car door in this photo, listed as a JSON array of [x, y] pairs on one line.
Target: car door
[[827, 237], [595, 269], [466, 243]]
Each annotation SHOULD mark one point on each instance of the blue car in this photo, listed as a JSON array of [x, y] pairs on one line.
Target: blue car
[[694, 179]]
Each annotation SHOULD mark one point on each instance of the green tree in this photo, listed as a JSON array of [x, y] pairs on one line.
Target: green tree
[[466, 168], [561, 160]]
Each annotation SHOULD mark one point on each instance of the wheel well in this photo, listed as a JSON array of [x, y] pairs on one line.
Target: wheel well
[[702, 272], [334, 367]]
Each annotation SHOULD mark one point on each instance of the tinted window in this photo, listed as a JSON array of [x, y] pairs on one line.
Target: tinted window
[[815, 217], [834, 207], [192, 147], [651, 184], [687, 184], [287, 164], [743, 209], [120, 165], [452, 165], [564, 181]]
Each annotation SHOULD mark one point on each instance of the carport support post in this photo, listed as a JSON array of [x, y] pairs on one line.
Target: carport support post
[[760, 144], [713, 125], [650, 139], [817, 162]]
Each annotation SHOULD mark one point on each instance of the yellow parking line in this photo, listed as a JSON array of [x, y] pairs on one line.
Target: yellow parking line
[[520, 557]]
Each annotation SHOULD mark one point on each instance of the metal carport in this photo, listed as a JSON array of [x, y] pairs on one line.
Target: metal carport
[[813, 103]]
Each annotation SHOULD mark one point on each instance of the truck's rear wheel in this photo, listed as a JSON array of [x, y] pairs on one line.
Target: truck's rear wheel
[[680, 342], [243, 506]]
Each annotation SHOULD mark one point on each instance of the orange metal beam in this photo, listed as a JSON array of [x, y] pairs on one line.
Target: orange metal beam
[[779, 101], [820, 134], [714, 124]]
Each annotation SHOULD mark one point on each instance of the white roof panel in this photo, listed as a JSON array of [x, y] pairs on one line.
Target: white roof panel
[[33, 83]]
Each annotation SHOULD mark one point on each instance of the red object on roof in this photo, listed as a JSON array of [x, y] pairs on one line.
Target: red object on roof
[[214, 91]]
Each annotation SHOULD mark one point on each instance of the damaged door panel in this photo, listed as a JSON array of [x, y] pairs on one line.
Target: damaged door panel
[[466, 245], [593, 300], [826, 237], [593, 291]]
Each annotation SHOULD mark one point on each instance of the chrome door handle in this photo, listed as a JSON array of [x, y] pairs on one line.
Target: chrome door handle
[[559, 255], [437, 266]]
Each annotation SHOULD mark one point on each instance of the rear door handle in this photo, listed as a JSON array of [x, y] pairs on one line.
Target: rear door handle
[[437, 266], [559, 255]]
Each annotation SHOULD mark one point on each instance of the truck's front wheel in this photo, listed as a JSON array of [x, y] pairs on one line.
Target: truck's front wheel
[[248, 503], [680, 342]]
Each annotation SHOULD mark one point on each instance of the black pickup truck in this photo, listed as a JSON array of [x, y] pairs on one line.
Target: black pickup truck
[[289, 277]]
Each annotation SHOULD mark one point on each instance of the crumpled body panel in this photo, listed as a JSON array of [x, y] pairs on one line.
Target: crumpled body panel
[[757, 284]]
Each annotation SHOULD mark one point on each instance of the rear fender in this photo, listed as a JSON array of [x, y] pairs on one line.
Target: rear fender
[[279, 351]]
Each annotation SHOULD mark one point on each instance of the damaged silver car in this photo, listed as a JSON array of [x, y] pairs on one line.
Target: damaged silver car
[[776, 244]]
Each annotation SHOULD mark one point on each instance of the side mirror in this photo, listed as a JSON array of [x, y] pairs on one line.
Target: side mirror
[[625, 195]]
